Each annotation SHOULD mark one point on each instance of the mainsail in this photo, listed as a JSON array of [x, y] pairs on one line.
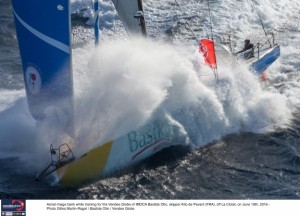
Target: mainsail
[[43, 31], [131, 13]]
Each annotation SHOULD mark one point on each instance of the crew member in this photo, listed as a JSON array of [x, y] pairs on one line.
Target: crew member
[[247, 47]]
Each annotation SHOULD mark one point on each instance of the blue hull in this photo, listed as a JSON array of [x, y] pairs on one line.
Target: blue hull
[[260, 65]]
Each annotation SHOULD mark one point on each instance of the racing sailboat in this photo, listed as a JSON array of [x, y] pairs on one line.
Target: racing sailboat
[[44, 36], [264, 53], [258, 59]]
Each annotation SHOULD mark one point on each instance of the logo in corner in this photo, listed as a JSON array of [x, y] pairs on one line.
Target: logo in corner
[[21, 204], [33, 80], [13, 207]]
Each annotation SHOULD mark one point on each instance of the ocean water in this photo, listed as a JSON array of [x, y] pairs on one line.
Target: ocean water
[[244, 133]]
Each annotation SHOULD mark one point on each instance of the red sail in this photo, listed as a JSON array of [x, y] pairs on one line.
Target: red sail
[[207, 48]]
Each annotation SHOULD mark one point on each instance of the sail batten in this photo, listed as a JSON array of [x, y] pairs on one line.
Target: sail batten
[[65, 48]]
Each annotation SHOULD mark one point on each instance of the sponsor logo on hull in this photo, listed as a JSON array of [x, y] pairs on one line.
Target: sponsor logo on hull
[[151, 135]]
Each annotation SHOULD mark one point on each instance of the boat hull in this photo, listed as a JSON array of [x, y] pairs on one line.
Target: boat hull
[[261, 64], [118, 154]]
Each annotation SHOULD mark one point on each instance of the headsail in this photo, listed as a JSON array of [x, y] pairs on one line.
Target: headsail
[[131, 13], [207, 48], [45, 48]]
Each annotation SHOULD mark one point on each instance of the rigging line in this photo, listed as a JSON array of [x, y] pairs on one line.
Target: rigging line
[[215, 70], [210, 20], [261, 22], [187, 23]]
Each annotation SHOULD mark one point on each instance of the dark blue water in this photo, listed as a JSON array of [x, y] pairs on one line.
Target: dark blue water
[[238, 166]]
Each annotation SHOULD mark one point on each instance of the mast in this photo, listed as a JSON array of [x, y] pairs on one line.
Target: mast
[[142, 18]]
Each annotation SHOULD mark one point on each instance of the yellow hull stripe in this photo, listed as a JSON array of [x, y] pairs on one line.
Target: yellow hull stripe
[[87, 167]]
